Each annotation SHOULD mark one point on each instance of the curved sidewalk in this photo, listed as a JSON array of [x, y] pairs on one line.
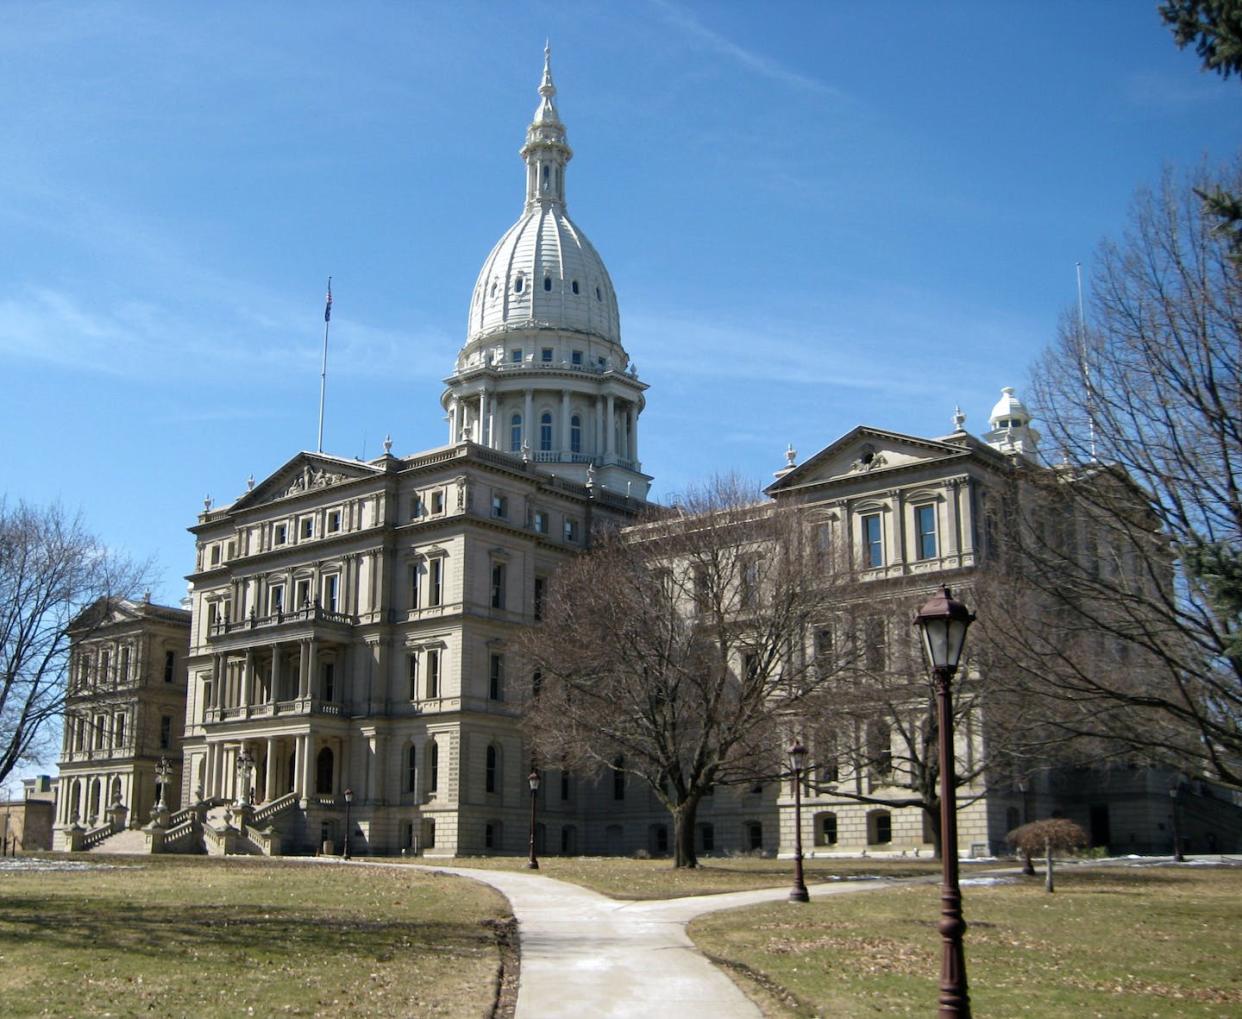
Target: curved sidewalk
[[584, 954]]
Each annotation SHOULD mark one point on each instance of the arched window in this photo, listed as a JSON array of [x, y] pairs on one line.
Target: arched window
[[411, 765], [323, 772], [575, 434], [492, 768], [515, 433], [433, 767], [754, 836], [94, 800], [115, 795], [598, 295], [547, 283], [574, 285], [618, 779], [518, 284], [545, 431]]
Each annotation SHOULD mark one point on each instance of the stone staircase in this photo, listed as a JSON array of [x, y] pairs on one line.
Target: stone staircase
[[131, 840]]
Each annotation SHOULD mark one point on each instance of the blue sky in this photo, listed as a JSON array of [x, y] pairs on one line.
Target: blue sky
[[815, 215]]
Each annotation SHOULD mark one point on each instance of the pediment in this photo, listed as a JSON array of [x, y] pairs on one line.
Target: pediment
[[866, 452], [306, 472]]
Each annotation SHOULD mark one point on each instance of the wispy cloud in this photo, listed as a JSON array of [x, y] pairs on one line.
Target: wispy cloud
[[750, 59]]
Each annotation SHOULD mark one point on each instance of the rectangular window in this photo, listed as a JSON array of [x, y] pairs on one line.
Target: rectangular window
[[308, 527], [577, 357], [496, 678], [828, 829], [545, 355], [540, 521], [925, 524], [100, 724], [417, 509], [437, 501], [118, 731], [331, 584], [571, 529], [564, 785], [329, 681], [541, 594], [280, 534], [500, 506], [215, 555], [873, 541], [498, 585], [230, 550], [413, 673], [515, 355], [618, 785], [276, 599], [823, 651], [414, 578], [433, 674], [165, 731], [750, 583], [334, 521], [303, 593], [170, 665], [435, 582]]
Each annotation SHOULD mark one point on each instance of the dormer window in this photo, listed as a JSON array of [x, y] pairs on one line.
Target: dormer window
[[493, 288], [547, 283], [574, 286], [518, 284]]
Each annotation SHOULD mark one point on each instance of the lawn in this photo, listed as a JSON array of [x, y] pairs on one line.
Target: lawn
[[1116, 942], [625, 878], [190, 936]]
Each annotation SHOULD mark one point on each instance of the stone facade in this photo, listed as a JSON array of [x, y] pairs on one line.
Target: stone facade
[[124, 713]]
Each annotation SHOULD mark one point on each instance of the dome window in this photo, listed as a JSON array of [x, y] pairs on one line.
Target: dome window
[[575, 286], [493, 288], [547, 283], [545, 432], [518, 284], [598, 295]]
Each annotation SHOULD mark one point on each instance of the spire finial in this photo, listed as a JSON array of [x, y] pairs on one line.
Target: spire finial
[[546, 88], [959, 419]]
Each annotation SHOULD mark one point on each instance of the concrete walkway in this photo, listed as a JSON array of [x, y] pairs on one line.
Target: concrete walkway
[[586, 955]]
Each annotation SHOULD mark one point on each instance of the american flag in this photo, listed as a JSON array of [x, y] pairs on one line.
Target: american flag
[[327, 308]]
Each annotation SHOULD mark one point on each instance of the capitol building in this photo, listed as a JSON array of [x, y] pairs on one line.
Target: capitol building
[[352, 623]]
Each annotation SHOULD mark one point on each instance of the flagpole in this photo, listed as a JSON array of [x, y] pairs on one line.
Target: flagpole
[[323, 372]]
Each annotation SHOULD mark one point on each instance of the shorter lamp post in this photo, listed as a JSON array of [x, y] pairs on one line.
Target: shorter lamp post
[[797, 762], [349, 828], [1174, 789], [532, 862], [163, 771], [943, 622]]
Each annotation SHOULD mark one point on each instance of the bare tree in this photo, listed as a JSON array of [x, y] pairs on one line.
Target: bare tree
[[676, 650], [52, 571], [1055, 834], [876, 734], [1127, 564]]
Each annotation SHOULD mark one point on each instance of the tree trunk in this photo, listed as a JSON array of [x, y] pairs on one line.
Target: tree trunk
[[684, 815], [1028, 868], [1048, 867], [931, 810]]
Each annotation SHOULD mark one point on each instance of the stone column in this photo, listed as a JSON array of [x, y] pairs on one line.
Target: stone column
[[565, 421], [610, 429], [452, 422], [269, 784], [528, 410], [312, 668], [276, 676], [598, 445], [304, 763], [247, 680], [484, 419], [634, 432]]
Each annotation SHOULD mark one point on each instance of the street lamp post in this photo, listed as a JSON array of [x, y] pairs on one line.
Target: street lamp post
[[245, 765], [1174, 789], [797, 761], [163, 772], [943, 622], [349, 828], [533, 779]]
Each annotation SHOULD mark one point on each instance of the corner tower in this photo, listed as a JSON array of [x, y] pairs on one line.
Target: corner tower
[[543, 374]]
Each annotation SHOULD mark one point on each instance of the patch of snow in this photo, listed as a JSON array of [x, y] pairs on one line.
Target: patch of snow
[[988, 881], [21, 863]]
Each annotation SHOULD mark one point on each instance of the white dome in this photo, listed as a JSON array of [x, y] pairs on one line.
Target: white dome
[[1008, 408], [544, 274]]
